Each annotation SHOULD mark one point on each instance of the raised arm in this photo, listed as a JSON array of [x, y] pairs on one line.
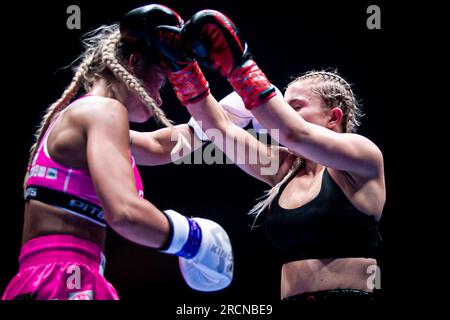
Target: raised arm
[[248, 153], [192, 89], [217, 43], [348, 152]]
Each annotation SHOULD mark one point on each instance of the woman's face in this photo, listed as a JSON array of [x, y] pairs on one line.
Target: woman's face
[[306, 103], [153, 79]]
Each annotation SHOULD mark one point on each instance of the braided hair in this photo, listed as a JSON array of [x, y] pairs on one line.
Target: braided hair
[[335, 92], [104, 56]]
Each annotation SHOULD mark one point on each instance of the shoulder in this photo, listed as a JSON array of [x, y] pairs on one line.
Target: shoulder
[[364, 186], [98, 111], [370, 157]]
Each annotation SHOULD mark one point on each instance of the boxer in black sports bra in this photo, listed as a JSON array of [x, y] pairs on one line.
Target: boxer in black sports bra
[[328, 191]]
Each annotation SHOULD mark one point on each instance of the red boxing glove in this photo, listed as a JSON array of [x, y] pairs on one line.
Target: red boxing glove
[[216, 43], [189, 83], [183, 73]]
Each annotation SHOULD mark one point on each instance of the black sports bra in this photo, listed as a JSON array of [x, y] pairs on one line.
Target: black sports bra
[[328, 226]]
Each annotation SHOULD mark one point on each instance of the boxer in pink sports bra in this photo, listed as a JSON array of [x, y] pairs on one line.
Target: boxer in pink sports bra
[[66, 187], [82, 175]]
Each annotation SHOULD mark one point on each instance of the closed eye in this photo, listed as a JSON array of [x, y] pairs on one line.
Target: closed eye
[[163, 84], [297, 103]]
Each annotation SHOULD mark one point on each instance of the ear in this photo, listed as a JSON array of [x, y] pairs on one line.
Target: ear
[[335, 117], [132, 62]]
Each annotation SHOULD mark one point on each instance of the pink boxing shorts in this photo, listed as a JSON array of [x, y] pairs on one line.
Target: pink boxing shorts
[[60, 267]]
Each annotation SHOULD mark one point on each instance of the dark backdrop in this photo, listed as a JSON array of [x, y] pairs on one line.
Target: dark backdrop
[[286, 39]]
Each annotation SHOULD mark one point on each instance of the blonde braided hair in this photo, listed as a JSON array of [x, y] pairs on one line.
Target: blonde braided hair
[[101, 59], [109, 57], [335, 91]]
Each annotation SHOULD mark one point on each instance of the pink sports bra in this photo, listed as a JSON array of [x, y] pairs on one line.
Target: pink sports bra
[[68, 188]]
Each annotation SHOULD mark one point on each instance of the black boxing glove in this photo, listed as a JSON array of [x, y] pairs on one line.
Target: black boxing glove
[[138, 27], [155, 30]]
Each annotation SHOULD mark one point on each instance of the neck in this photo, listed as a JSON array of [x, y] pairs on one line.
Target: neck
[[312, 168], [103, 88]]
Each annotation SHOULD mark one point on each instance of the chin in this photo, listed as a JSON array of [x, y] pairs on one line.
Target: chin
[[139, 119], [142, 117]]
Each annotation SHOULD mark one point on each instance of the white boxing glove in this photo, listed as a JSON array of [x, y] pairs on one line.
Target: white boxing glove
[[235, 108], [236, 111], [198, 131], [238, 114], [204, 250]]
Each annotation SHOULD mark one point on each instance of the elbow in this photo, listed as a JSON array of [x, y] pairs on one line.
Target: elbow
[[120, 217]]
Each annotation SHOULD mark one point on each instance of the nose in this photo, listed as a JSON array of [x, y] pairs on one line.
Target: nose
[[157, 97], [158, 101]]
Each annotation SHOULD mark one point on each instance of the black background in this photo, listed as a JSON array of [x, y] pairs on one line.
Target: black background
[[286, 38]]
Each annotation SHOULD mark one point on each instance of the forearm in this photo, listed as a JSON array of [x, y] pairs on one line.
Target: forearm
[[209, 114], [311, 141], [141, 222], [158, 147], [251, 155], [193, 91], [214, 122], [276, 114]]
